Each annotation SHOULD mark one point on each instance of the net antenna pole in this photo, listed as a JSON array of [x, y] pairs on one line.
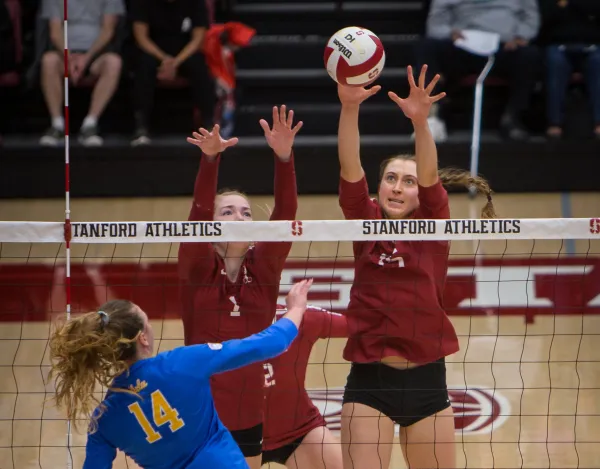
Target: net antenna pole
[[477, 109], [67, 200], [476, 143]]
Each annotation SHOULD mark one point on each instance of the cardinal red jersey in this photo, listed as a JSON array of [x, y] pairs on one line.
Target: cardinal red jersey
[[216, 309], [396, 306], [289, 411]]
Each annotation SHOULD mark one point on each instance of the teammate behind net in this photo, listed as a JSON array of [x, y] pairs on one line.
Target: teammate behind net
[[230, 290], [158, 409], [295, 432], [399, 331]]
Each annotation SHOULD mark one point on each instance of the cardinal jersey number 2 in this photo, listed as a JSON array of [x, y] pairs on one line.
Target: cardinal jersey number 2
[[269, 375]]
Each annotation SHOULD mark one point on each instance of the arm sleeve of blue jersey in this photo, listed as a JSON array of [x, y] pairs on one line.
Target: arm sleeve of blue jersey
[[210, 359], [99, 453], [267, 344]]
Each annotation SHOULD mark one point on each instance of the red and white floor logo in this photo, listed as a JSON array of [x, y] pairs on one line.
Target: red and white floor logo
[[477, 410]]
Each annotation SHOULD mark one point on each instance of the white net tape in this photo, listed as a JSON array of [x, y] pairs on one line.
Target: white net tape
[[525, 385], [312, 230]]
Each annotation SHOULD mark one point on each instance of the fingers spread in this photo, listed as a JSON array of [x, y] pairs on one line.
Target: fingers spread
[[298, 127], [282, 118], [411, 78], [305, 286], [422, 77], [290, 119], [265, 126], [231, 142], [374, 90], [431, 85], [437, 97], [394, 97]]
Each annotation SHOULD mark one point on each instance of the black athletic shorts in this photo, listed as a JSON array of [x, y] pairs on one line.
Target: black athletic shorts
[[249, 440], [405, 396], [281, 455]]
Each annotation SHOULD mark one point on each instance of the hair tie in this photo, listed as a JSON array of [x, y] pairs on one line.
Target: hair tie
[[103, 318], [489, 197]]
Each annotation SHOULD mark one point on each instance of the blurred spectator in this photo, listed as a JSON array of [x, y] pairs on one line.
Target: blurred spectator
[[169, 36], [517, 23], [92, 26], [571, 33]]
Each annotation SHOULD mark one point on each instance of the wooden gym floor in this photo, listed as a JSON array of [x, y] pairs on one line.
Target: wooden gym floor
[[533, 397]]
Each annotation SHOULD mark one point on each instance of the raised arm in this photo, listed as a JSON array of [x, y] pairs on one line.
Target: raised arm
[[433, 198], [354, 192], [281, 140], [267, 344], [280, 137], [416, 107], [193, 257], [348, 134]]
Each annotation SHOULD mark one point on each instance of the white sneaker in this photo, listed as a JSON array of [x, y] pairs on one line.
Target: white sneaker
[[438, 129]]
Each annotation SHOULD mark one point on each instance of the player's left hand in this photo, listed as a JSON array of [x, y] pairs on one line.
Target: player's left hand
[[298, 295], [211, 143], [416, 107], [281, 137]]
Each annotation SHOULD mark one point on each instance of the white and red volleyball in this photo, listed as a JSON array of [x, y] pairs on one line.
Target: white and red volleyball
[[354, 56]]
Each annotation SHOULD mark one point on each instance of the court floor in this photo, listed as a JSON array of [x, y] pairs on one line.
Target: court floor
[[526, 393], [533, 397]]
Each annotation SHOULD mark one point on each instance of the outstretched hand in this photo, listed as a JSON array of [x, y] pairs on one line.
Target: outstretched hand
[[355, 95], [281, 137], [211, 143], [298, 295], [418, 104]]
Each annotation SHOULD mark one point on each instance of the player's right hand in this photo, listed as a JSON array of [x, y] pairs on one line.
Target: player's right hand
[[354, 95], [211, 143], [297, 300]]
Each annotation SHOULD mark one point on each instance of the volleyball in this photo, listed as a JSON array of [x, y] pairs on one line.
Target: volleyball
[[354, 56]]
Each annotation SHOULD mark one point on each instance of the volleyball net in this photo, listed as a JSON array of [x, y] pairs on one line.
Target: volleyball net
[[523, 295]]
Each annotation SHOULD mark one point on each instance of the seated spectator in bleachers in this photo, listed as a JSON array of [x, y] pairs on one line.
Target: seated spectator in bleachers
[[571, 34], [92, 26], [517, 23], [169, 36]]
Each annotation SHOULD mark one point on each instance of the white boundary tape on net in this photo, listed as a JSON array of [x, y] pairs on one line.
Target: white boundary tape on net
[[305, 230]]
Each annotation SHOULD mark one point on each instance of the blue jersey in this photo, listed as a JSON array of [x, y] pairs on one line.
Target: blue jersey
[[175, 425]]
